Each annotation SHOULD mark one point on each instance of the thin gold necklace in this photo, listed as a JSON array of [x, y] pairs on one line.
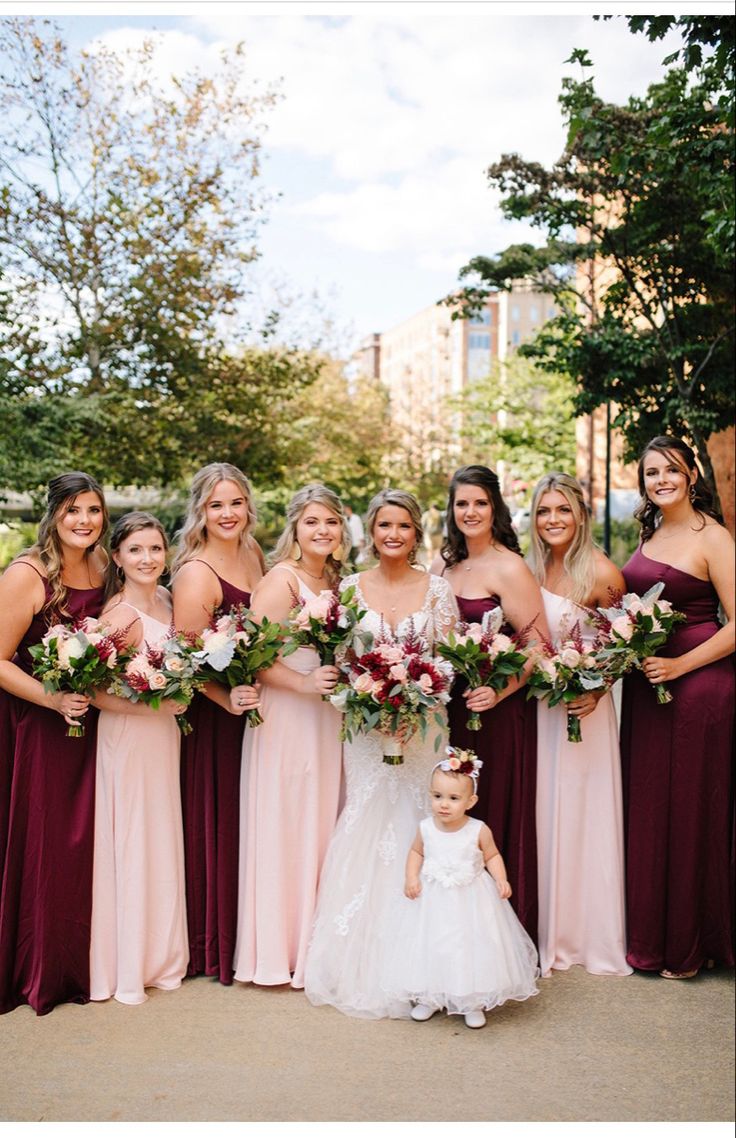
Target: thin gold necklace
[[312, 575]]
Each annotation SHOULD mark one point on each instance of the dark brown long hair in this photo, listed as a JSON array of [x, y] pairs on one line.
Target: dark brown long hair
[[455, 548], [701, 498]]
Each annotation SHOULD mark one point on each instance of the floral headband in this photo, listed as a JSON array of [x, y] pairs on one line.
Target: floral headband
[[460, 762]]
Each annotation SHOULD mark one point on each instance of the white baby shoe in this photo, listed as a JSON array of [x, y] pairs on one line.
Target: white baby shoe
[[421, 1012]]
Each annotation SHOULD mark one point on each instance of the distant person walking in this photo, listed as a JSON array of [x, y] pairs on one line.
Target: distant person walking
[[357, 534], [433, 523]]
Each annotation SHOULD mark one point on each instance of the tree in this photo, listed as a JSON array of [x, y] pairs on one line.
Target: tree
[[336, 434], [522, 416], [638, 214], [129, 209]]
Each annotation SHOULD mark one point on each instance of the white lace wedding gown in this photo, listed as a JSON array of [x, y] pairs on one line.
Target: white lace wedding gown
[[363, 873]]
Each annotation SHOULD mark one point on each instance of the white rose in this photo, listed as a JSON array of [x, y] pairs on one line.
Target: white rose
[[339, 699], [69, 651], [570, 657]]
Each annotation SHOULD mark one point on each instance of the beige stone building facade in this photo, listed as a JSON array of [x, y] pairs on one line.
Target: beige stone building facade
[[429, 356]]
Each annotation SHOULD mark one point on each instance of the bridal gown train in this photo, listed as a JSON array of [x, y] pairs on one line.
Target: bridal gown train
[[363, 874]]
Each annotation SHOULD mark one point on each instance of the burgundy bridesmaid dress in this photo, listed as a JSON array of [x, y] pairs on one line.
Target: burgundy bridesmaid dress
[[507, 785], [210, 795], [46, 898], [678, 791]]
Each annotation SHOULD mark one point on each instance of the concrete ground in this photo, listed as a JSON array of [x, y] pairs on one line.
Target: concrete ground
[[587, 1048]]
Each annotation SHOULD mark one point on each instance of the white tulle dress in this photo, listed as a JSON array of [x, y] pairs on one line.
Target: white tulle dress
[[363, 873], [458, 945]]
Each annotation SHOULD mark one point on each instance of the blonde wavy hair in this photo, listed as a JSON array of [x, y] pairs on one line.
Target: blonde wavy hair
[[579, 561], [405, 501], [314, 492], [61, 494], [192, 537]]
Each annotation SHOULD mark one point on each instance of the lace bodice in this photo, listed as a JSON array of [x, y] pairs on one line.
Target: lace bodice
[[433, 620]]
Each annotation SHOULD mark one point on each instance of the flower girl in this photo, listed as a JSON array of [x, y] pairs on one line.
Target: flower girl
[[459, 944]]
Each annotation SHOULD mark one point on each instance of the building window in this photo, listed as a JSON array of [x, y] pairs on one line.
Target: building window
[[483, 317], [515, 312], [516, 338], [551, 312], [479, 340], [534, 313]]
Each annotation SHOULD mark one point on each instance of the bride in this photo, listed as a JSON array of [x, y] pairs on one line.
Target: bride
[[363, 873]]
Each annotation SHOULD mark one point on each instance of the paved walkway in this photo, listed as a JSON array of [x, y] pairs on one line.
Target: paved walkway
[[587, 1048]]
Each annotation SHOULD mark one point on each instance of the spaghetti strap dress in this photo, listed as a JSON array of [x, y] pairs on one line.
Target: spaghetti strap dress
[[580, 834], [210, 797], [507, 786], [46, 895], [290, 794], [139, 925], [677, 761]]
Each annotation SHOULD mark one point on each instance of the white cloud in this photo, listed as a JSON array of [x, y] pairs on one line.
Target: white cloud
[[390, 117]]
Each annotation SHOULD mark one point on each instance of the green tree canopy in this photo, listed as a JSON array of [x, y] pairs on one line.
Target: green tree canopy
[[520, 415], [129, 211], [638, 218]]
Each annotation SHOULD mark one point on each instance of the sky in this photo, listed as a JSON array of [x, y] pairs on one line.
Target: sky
[[389, 117]]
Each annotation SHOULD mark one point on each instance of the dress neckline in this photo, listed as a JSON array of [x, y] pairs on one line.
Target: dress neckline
[[468, 822], [384, 618], [222, 580], [288, 569], [666, 564], [562, 597]]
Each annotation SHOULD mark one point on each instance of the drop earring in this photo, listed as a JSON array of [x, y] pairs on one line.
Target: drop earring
[[296, 552], [339, 553]]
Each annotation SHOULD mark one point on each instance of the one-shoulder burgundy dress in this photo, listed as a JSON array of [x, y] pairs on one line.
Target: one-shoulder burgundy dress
[[507, 785], [210, 794], [678, 791], [46, 898]]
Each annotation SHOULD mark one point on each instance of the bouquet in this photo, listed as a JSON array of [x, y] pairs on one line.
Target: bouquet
[[327, 623], [77, 658], [235, 648], [635, 627], [392, 686], [166, 669], [561, 674], [484, 655]]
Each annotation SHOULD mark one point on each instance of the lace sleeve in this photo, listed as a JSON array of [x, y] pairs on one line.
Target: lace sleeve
[[444, 610]]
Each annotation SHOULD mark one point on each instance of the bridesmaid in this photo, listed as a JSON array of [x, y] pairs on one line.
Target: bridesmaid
[[139, 924], [292, 763], [579, 807], [677, 757], [482, 562], [216, 566], [47, 874]]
